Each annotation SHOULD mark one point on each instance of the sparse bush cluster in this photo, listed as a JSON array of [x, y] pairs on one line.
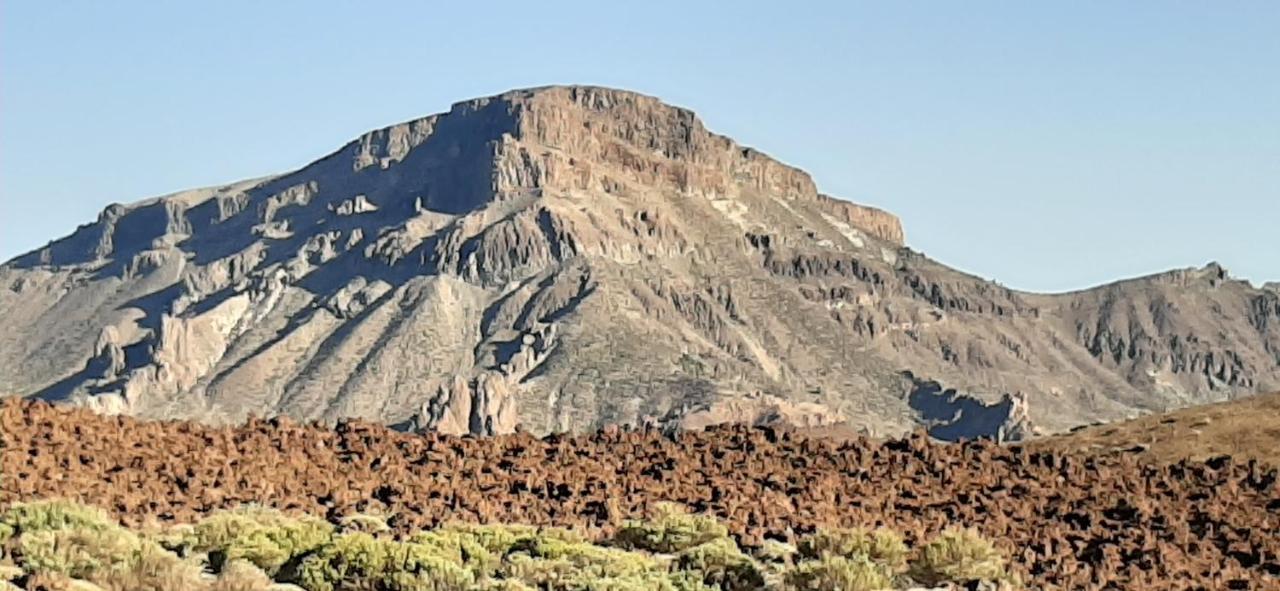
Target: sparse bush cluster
[[59, 545]]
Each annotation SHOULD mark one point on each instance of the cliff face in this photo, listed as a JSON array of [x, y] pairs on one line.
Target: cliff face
[[565, 257]]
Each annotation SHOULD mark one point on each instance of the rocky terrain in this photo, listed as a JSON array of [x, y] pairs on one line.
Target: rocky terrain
[[1066, 520], [564, 258]]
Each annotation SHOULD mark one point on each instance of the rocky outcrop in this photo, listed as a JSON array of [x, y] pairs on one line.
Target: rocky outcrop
[[561, 258], [756, 409], [482, 406]]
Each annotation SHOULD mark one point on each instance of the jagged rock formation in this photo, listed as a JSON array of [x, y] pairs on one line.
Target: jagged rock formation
[[566, 257]]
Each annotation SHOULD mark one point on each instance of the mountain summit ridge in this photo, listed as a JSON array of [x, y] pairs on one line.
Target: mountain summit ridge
[[569, 256]]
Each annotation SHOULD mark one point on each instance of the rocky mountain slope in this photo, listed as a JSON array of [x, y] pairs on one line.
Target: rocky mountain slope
[[565, 257]]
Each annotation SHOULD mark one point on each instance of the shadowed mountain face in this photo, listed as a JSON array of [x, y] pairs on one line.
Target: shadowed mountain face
[[566, 257]]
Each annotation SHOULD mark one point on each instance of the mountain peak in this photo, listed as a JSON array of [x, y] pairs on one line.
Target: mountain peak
[[517, 144], [563, 257], [589, 138]]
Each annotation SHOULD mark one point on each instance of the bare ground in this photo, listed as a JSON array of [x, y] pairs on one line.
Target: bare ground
[[1246, 428]]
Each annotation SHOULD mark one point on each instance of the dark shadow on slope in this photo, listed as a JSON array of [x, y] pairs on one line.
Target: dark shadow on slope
[[952, 416], [153, 305], [449, 172], [64, 388], [491, 313], [584, 289]]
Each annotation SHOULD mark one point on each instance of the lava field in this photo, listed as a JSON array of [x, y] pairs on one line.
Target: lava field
[[1067, 521]]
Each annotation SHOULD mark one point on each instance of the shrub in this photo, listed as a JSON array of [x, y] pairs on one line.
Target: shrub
[[839, 573], [357, 558], [882, 546], [689, 581], [547, 561], [49, 515], [775, 552], [496, 540], [536, 572], [671, 530], [639, 582], [9, 572], [113, 559], [364, 522], [503, 585], [179, 539], [264, 537], [720, 563], [958, 555], [465, 548], [52, 582], [571, 580], [361, 562], [76, 553], [415, 567], [241, 575], [152, 568], [587, 557]]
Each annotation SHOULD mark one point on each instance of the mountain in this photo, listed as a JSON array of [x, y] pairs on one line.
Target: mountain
[[565, 257]]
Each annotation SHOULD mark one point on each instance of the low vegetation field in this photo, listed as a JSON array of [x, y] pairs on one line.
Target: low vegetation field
[[61, 545]]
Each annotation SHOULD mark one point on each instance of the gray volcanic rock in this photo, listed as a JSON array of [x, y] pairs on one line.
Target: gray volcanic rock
[[565, 257]]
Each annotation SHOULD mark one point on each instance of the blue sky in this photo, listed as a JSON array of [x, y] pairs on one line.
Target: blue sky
[[1048, 145]]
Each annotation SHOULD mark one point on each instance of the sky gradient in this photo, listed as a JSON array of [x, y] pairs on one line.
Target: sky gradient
[[1048, 146]]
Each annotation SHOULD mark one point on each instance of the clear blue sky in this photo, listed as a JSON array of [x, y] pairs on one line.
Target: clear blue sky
[[1047, 145]]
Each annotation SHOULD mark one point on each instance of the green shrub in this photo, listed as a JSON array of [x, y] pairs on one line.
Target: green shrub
[[463, 548], [587, 557], [54, 582], [415, 567], [9, 572], [179, 539], [546, 560], [671, 530], [356, 558], [361, 562], [478, 545], [241, 575], [49, 515], [958, 555], [720, 563], [689, 581], [637, 582], [563, 577], [76, 553], [364, 522], [503, 585], [152, 568], [536, 572], [775, 552], [839, 573], [264, 537], [882, 546], [113, 559]]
